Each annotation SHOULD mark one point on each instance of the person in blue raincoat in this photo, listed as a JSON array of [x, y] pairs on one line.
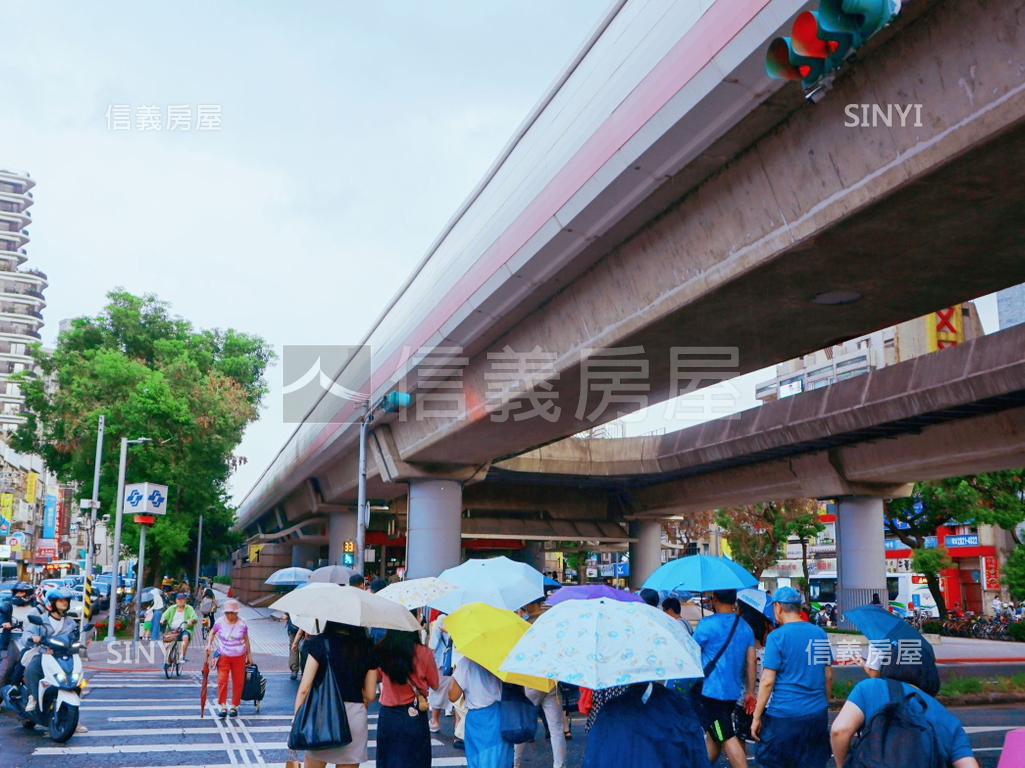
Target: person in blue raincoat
[[648, 726]]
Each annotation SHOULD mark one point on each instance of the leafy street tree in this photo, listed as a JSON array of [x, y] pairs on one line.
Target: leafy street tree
[[993, 498], [1014, 573], [193, 392], [755, 531]]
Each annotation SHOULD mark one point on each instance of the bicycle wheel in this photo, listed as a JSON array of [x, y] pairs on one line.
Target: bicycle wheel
[[178, 669]]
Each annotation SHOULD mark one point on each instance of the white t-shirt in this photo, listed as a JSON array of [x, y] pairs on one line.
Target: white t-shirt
[[481, 689], [158, 600]]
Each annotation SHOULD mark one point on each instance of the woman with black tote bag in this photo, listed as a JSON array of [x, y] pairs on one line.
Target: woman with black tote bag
[[332, 724]]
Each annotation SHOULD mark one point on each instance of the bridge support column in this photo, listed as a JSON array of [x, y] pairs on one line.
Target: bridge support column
[[305, 555], [860, 552], [646, 552], [341, 527], [533, 554], [434, 525]]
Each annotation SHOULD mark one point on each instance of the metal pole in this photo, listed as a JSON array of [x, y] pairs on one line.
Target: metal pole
[[199, 553], [116, 567], [139, 570], [91, 532], [361, 503]]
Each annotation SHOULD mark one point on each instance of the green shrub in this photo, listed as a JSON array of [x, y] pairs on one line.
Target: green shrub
[[222, 580], [1017, 632], [959, 686], [933, 628], [842, 688]]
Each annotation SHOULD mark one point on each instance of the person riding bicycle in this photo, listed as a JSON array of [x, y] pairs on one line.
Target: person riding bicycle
[[21, 596], [55, 623], [208, 606], [181, 618]]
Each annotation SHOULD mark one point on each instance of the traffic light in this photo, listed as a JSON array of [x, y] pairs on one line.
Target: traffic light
[[821, 40], [349, 554], [394, 402]]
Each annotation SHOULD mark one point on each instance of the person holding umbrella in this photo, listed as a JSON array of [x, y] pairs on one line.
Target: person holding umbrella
[[407, 671], [231, 637], [728, 655], [349, 653], [791, 718]]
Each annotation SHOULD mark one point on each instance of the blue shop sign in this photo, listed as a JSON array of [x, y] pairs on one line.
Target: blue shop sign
[[964, 540]]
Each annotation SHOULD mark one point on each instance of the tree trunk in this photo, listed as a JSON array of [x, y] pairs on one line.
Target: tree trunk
[[154, 569], [933, 581], [804, 562]]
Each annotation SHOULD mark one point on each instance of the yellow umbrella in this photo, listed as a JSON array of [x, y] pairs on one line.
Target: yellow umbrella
[[486, 635]]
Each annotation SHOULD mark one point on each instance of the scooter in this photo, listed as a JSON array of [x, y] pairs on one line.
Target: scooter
[[59, 694]]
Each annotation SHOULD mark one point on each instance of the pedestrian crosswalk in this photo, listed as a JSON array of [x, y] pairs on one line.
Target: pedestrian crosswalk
[[142, 720]]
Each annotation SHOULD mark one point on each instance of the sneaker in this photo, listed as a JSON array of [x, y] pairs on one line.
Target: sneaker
[[458, 744], [293, 676], [434, 728], [222, 712], [30, 705], [233, 712]]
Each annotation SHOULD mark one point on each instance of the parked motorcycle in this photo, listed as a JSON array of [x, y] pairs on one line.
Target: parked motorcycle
[[59, 694]]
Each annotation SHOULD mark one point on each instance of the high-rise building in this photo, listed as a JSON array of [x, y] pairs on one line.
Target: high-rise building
[[1011, 306], [21, 294], [944, 328]]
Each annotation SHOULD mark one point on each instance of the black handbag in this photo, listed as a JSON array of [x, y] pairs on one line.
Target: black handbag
[[321, 722], [517, 716]]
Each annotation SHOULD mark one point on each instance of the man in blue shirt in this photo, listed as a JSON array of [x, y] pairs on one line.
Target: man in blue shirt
[[733, 674], [792, 727], [870, 696]]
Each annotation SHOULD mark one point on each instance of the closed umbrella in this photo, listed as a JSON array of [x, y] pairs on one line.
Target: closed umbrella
[[332, 574], [605, 643], [485, 635], [289, 577], [497, 581], [316, 604], [700, 573], [416, 593], [592, 592], [202, 688]]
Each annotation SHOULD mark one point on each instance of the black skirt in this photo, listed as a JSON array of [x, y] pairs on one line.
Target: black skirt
[[402, 741]]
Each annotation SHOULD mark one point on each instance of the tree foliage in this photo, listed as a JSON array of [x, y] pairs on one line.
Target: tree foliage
[[1014, 573], [756, 531], [151, 374]]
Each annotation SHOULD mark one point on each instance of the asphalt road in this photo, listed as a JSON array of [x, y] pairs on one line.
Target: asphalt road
[[137, 719]]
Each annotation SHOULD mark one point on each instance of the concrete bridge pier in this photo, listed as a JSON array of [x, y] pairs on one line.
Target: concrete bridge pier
[[646, 551], [341, 527], [860, 552], [433, 541], [305, 555]]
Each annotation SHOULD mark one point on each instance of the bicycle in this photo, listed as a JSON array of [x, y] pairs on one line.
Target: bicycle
[[173, 662]]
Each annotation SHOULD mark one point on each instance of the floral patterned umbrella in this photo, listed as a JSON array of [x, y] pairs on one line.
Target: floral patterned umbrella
[[604, 643], [416, 593]]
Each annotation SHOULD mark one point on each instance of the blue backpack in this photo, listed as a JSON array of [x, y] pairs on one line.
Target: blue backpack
[[900, 728], [517, 715]]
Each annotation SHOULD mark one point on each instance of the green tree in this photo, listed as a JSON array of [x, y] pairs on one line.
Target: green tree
[[1014, 573], [930, 563], [1000, 500], [192, 392], [756, 531]]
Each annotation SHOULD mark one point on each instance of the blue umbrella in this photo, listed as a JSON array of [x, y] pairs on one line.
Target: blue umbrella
[[551, 583], [759, 600], [880, 626], [700, 573]]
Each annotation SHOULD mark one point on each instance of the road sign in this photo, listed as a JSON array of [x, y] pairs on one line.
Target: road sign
[[146, 499]]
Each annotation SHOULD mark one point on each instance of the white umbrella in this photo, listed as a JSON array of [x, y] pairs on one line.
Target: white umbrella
[[289, 577], [316, 604], [417, 593], [497, 581], [332, 574], [604, 643]]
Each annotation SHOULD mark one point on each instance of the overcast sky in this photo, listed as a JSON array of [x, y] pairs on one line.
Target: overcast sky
[[349, 134]]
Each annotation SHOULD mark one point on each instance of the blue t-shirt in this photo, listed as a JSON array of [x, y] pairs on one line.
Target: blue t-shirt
[[870, 696], [726, 682], [799, 652]]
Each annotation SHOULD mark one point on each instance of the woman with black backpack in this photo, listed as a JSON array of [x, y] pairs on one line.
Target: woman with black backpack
[[888, 716]]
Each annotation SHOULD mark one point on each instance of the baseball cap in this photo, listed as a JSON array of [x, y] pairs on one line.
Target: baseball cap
[[788, 595]]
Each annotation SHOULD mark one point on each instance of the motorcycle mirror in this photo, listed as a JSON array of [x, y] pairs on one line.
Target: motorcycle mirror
[[35, 619]]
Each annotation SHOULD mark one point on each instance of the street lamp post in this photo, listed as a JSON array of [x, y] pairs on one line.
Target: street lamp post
[[116, 575], [90, 537]]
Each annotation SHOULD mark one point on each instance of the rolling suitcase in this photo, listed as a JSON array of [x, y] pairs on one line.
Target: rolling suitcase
[[255, 686]]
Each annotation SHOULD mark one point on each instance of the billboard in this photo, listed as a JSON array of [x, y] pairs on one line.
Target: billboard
[[50, 518]]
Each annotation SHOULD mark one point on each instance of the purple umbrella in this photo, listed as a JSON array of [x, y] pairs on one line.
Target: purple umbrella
[[592, 591]]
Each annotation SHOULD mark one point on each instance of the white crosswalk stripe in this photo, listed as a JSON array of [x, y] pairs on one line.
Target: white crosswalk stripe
[[131, 716]]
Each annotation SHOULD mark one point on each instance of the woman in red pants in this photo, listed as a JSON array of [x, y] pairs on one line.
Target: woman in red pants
[[231, 637]]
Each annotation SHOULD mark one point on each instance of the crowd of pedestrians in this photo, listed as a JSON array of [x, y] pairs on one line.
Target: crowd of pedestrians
[[766, 680]]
